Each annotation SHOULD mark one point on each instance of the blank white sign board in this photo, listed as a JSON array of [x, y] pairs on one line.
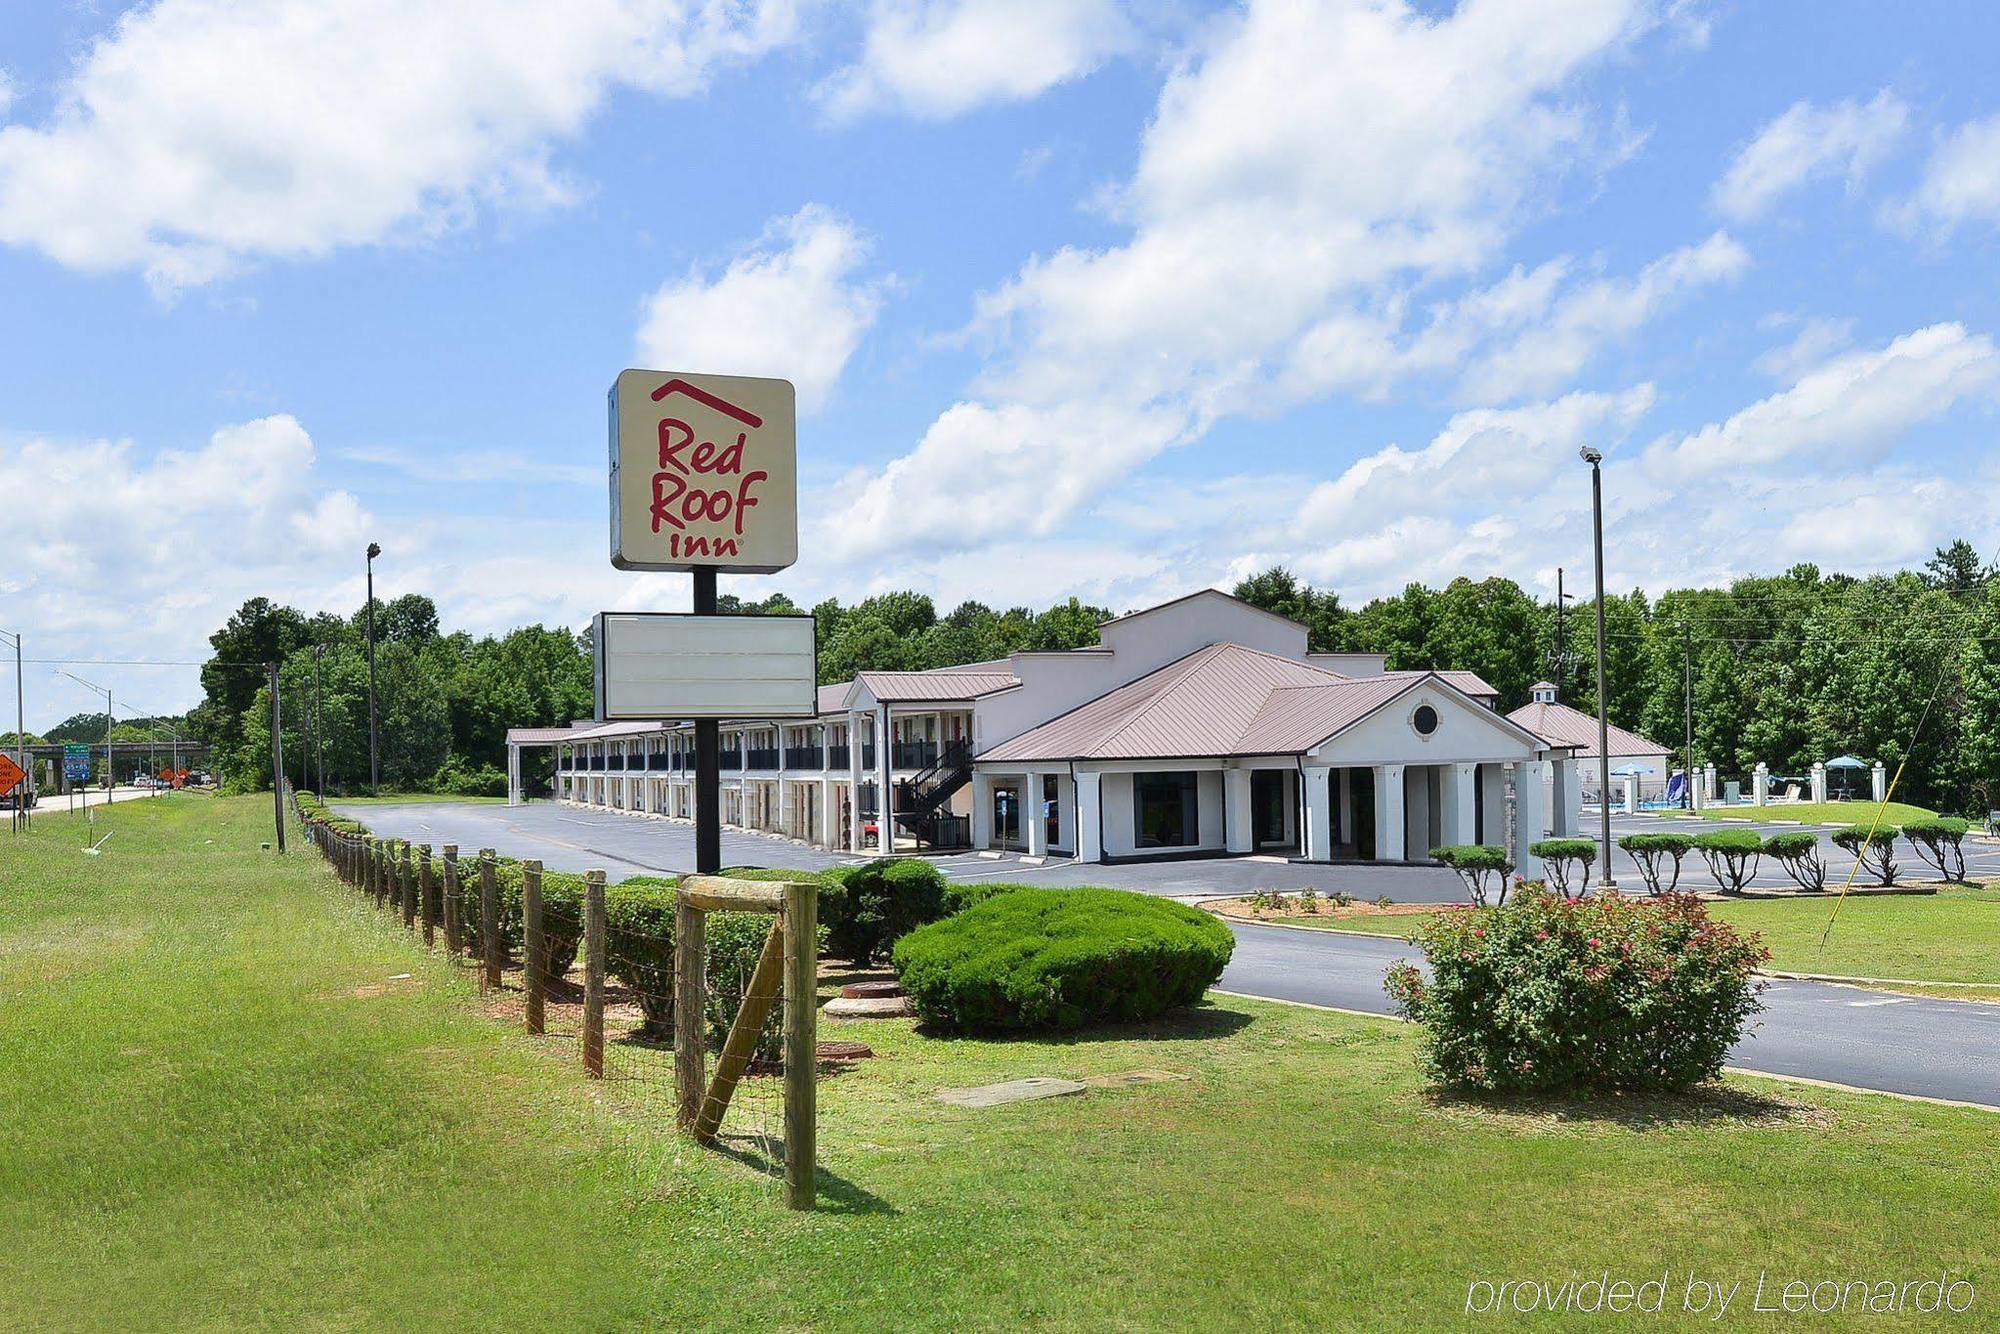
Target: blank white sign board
[[663, 665]]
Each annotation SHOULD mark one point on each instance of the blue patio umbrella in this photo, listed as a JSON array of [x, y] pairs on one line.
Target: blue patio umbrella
[[1845, 762], [1631, 770]]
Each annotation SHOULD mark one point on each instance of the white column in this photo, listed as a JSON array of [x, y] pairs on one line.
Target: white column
[[513, 774], [1389, 813], [1318, 803], [1631, 794], [1236, 810], [885, 776], [787, 794], [1031, 811], [1760, 784], [1460, 803], [1879, 781], [854, 782], [1089, 820], [1567, 789], [982, 809], [1712, 783], [1528, 830], [1818, 781], [829, 810], [1493, 804]]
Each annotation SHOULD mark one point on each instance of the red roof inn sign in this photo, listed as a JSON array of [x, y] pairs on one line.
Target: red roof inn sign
[[704, 472]]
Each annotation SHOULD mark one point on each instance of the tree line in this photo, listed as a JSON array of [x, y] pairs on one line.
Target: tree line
[[1786, 669]]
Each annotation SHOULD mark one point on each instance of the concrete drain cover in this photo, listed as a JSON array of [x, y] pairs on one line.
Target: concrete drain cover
[[1125, 1079], [871, 990], [1013, 1090], [841, 1050], [868, 1007]]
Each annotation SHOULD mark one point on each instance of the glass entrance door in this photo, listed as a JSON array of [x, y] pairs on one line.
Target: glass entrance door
[[1267, 807], [1007, 817]]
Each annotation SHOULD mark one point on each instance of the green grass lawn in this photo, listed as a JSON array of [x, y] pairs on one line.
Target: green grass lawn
[[1823, 812], [222, 1109], [1951, 936]]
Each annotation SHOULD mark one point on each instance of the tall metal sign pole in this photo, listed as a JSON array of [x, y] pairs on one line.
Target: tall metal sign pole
[[1605, 881], [374, 746], [704, 478]]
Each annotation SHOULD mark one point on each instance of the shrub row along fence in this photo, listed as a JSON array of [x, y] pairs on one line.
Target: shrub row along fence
[[591, 968]]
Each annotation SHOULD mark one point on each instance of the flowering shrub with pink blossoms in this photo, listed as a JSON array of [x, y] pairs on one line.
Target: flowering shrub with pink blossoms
[[1600, 993]]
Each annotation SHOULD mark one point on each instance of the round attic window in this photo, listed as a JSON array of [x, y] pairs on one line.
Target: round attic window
[[1425, 720]]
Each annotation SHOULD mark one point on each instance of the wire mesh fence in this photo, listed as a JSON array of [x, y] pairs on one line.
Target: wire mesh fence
[[590, 972]]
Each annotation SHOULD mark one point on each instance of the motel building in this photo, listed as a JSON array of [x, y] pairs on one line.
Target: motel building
[[1200, 727]]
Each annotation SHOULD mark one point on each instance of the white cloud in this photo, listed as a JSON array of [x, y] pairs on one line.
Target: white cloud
[[938, 58], [790, 306], [1853, 406], [1307, 155], [483, 465], [123, 556], [197, 135], [1588, 318], [1806, 143], [1816, 341], [1961, 182]]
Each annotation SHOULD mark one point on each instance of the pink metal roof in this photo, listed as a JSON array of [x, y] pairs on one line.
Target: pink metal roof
[[1297, 718], [1564, 726], [1472, 683], [1196, 705], [943, 685]]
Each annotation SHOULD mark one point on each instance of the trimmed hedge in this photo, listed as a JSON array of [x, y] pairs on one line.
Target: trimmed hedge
[[1940, 842], [1060, 959], [1478, 865], [1606, 993], [1797, 854], [1875, 850], [1732, 856], [1562, 858], [1658, 855]]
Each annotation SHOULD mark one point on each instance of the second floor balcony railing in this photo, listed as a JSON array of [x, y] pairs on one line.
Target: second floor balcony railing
[[732, 760], [802, 757], [915, 754], [761, 757], [837, 756]]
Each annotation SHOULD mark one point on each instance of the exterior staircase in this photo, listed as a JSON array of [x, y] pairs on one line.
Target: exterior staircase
[[923, 801]]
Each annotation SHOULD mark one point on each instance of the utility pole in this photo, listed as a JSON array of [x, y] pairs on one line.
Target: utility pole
[[1687, 695], [1596, 460], [110, 778], [1561, 664], [374, 745], [319, 719], [277, 762], [26, 790]]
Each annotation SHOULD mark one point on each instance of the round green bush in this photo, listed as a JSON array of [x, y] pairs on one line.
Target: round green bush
[[1060, 959], [1732, 856], [871, 906], [1482, 866], [1797, 853], [1563, 858], [1606, 993]]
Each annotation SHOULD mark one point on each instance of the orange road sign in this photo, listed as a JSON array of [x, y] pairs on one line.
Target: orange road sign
[[11, 774]]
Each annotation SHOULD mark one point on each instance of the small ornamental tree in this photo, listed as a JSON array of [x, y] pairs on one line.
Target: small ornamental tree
[[1483, 867], [1940, 842], [1874, 850], [1797, 854], [1567, 862], [1658, 857], [1608, 993], [1732, 856]]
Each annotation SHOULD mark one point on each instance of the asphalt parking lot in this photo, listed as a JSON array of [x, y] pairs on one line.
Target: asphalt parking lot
[[572, 838]]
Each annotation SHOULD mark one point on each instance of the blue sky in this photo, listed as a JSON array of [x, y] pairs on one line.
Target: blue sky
[[1081, 297]]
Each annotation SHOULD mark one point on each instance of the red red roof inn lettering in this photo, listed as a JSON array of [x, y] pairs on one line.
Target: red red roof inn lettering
[[704, 472]]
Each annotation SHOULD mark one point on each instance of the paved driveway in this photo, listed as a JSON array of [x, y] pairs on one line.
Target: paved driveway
[[1898, 1044], [571, 838]]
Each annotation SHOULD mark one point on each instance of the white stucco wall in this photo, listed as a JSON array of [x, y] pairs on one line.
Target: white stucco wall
[[1466, 733], [1121, 816]]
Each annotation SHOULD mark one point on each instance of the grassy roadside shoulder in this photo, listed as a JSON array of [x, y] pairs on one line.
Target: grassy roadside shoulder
[[224, 1106]]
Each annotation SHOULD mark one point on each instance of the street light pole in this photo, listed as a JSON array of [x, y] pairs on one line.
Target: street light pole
[[1595, 459], [374, 745], [26, 789], [319, 720]]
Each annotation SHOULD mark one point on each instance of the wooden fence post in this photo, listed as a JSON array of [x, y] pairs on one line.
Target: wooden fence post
[[408, 882], [453, 942], [801, 1042], [760, 997], [593, 973], [489, 921], [368, 864], [533, 944], [427, 895], [690, 999]]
